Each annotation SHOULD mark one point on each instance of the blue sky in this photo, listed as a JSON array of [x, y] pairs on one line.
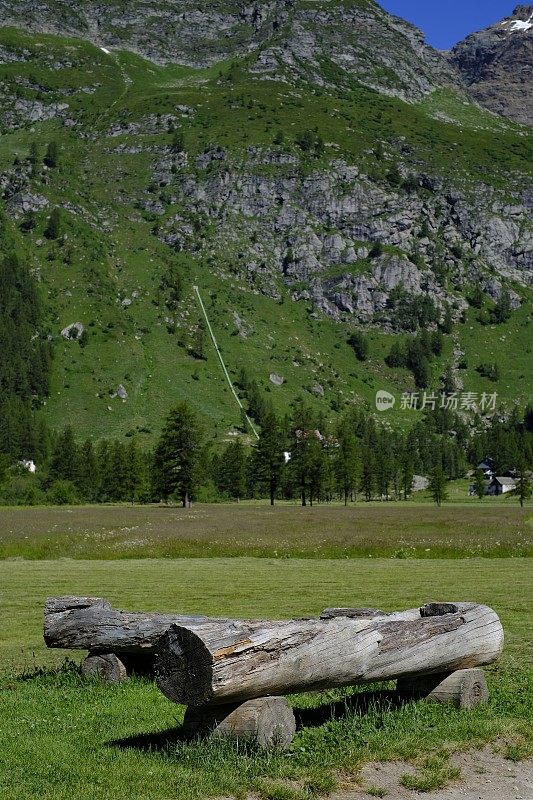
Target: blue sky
[[446, 22]]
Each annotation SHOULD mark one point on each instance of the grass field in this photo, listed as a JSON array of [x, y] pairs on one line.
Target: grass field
[[71, 738], [496, 527]]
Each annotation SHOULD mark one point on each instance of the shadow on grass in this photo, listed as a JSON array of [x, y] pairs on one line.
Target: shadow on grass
[[355, 705]]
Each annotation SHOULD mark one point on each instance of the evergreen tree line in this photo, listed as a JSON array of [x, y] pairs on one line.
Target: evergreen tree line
[[296, 457], [26, 355], [301, 457], [72, 472]]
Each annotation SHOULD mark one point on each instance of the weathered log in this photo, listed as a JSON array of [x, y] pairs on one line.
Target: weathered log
[[267, 721], [203, 666], [464, 688], [107, 666], [91, 623]]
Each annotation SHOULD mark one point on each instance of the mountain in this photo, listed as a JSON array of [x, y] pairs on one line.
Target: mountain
[[282, 38], [497, 65], [313, 167]]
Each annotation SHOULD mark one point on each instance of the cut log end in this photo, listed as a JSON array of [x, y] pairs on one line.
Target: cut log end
[[464, 688], [106, 666], [266, 721], [183, 679]]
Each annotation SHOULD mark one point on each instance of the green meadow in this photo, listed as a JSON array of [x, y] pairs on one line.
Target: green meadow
[[63, 736]]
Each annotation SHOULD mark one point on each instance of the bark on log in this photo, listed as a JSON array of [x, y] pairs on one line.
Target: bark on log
[[268, 721], [203, 666], [91, 623], [464, 688], [106, 666]]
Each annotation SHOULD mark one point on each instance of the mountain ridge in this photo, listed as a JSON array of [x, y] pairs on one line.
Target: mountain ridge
[[305, 204], [497, 65]]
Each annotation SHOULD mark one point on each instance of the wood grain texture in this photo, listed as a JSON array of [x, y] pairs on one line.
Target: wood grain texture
[[464, 688], [207, 665], [267, 721], [91, 623], [106, 666]]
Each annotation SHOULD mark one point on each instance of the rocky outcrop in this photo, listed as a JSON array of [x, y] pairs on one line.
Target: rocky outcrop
[[74, 331], [180, 31], [339, 239], [497, 65], [324, 44], [333, 44]]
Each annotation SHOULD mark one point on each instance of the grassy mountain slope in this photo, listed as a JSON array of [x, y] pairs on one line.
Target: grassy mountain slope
[[108, 268]]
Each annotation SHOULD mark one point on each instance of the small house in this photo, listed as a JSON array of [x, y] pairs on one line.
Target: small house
[[501, 485], [486, 467]]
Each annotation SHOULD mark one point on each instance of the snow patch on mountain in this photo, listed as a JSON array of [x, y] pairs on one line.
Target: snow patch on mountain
[[519, 24]]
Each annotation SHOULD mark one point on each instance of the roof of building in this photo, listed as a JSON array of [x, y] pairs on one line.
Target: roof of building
[[504, 481]]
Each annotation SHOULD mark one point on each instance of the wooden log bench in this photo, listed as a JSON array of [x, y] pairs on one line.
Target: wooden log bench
[[233, 675]]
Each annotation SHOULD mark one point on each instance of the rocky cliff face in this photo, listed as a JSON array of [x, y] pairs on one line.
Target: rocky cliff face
[[318, 232], [324, 42], [497, 65]]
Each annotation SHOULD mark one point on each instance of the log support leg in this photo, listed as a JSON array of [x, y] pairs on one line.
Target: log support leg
[[267, 721], [464, 688], [106, 666]]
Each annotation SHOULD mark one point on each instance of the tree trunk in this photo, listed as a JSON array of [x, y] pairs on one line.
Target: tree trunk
[[91, 623], [106, 666], [464, 688], [343, 648], [267, 721]]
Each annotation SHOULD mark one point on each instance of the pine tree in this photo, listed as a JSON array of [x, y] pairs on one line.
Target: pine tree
[[116, 477], [347, 463], [268, 458], [176, 458], [523, 485], [232, 470], [479, 484], [53, 229], [303, 452], [64, 461], [51, 158], [359, 343], [407, 473], [35, 155], [503, 308], [437, 485], [368, 474], [133, 474], [87, 478]]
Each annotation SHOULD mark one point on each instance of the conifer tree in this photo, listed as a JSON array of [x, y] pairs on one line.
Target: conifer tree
[[368, 475], [64, 461], [523, 485], [407, 473], [268, 457], [232, 470], [437, 485], [51, 158], [347, 466], [304, 459], [479, 484], [53, 229], [87, 478], [176, 458], [134, 468]]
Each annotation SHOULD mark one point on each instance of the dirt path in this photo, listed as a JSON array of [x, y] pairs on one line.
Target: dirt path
[[484, 776]]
